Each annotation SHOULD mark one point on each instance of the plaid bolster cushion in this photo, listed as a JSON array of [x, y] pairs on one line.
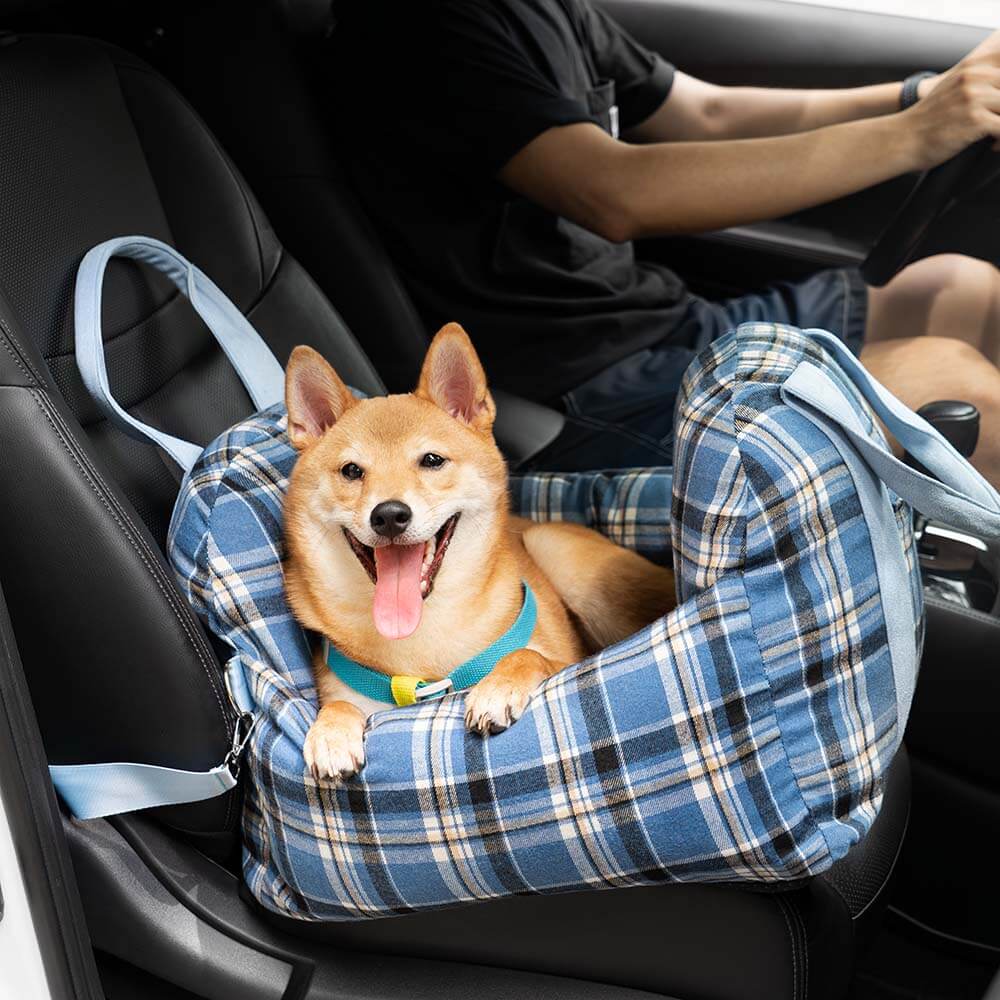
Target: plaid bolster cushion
[[742, 737]]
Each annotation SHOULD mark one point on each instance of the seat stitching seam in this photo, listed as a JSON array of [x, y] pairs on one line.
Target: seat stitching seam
[[847, 304], [155, 569], [17, 361], [794, 948], [805, 966], [136, 542], [22, 361], [892, 867], [165, 585], [266, 287], [138, 546]]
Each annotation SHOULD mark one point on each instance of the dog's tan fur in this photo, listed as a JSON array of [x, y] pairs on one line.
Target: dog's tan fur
[[610, 592]]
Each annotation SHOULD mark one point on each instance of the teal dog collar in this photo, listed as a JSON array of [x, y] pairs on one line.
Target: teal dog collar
[[403, 689]]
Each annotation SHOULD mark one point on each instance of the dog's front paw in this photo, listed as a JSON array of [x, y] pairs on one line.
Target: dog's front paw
[[501, 697], [334, 746]]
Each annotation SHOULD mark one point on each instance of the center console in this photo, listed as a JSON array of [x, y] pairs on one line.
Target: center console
[[947, 881]]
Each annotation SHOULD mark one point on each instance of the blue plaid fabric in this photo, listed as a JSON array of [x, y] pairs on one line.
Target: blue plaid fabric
[[742, 737]]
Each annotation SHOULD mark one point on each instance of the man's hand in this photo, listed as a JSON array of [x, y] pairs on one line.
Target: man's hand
[[959, 107]]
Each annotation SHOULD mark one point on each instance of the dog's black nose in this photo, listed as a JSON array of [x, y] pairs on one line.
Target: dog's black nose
[[391, 518]]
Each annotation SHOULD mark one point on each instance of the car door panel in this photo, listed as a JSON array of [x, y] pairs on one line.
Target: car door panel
[[773, 43]]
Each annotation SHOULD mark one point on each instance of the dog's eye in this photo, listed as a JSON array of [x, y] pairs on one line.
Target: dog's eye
[[432, 461], [352, 471]]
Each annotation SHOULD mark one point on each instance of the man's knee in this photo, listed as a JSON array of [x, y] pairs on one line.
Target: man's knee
[[967, 286], [923, 352], [975, 280], [973, 285]]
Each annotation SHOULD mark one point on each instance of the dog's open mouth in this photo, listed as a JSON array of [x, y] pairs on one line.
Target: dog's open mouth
[[404, 578], [433, 555]]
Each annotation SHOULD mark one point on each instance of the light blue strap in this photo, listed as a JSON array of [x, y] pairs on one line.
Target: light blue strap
[[237, 687], [831, 410], [959, 496], [256, 366], [94, 790]]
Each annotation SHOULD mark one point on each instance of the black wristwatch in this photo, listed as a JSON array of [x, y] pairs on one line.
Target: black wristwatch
[[909, 96]]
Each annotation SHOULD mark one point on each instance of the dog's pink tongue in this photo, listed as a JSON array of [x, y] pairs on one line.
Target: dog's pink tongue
[[398, 603]]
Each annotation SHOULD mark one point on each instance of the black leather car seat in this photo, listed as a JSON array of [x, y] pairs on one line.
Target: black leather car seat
[[250, 81], [260, 88], [94, 144]]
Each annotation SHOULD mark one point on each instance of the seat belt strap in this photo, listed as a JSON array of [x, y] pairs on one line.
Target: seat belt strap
[[92, 791], [95, 790]]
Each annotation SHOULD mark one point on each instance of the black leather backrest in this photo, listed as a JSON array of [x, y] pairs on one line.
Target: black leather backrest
[[94, 144], [262, 92]]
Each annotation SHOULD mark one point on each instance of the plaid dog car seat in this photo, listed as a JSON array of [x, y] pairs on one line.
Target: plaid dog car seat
[[742, 737]]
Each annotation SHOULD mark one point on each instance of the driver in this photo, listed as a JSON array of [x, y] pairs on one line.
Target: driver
[[510, 151]]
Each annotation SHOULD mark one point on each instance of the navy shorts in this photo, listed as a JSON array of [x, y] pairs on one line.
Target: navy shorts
[[623, 416]]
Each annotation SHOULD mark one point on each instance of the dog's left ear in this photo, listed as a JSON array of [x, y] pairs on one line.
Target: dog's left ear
[[453, 378], [315, 397]]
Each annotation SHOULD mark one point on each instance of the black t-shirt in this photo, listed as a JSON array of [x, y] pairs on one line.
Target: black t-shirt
[[433, 97]]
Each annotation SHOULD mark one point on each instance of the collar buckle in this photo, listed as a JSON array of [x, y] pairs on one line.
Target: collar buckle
[[436, 689]]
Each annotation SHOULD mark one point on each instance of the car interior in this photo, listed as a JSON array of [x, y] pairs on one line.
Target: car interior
[[208, 125]]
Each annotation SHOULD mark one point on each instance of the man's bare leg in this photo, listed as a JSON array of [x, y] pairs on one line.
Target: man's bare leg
[[944, 296], [934, 333], [920, 370]]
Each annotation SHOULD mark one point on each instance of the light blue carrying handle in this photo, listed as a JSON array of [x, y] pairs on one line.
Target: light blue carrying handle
[[256, 366], [95, 790], [959, 497]]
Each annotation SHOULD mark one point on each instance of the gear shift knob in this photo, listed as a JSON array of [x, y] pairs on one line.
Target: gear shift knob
[[956, 566], [956, 421]]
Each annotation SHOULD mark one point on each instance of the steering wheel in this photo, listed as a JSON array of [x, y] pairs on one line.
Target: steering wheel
[[935, 193]]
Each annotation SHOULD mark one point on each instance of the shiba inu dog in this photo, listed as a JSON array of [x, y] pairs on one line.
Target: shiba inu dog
[[402, 554]]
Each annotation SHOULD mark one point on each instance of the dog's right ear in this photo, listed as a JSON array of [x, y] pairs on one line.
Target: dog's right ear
[[453, 378], [314, 396]]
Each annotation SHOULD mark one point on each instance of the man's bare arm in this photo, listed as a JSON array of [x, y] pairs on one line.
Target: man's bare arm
[[624, 190], [696, 110]]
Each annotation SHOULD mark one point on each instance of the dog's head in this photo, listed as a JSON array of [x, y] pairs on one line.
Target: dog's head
[[393, 495]]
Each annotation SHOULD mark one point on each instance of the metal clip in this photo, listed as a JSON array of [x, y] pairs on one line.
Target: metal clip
[[241, 737], [426, 692]]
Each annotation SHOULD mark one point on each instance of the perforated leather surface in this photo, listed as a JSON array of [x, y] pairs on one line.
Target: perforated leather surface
[[267, 99]]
